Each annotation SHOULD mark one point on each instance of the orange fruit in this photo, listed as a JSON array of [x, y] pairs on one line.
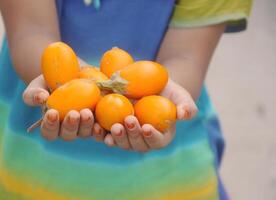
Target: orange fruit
[[111, 109], [75, 95], [59, 64], [90, 72], [158, 111], [144, 78], [114, 60]]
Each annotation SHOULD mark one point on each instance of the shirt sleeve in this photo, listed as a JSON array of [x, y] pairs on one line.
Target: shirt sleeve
[[196, 13]]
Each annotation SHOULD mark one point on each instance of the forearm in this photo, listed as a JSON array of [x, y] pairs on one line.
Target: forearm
[[187, 54], [30, 27], [26, 53], [182, 72]]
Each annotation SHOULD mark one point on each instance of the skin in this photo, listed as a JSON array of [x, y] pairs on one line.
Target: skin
[[186, 53]]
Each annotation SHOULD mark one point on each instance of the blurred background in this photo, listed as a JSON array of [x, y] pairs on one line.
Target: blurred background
[[242, 84], [242, 81]]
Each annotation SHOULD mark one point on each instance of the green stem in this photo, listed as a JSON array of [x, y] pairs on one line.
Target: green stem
[[116, 84]]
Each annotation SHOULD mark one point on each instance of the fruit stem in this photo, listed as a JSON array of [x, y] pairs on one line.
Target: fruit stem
[[34, 125], [117, 84], [38, 122]]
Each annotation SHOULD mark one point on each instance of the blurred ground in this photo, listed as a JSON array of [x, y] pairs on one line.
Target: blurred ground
[[242, 81]]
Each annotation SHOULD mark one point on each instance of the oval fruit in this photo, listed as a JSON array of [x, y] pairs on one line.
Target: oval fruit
[[59, 64], [90, 72], [144, 78], [114, 60], [158, 111], [76, 95], [111, 109]]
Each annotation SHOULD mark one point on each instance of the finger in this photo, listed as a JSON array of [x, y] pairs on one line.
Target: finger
[[109, 141], [50, 125], [193, 110], [186, 107], [70, 126], [98, 132], [186, 111], [86, 123], [134, 133], [35, 96], [36, 93], [152, 137], [118, 133]]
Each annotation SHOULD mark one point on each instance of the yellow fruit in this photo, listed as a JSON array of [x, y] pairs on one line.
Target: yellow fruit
[[76, 95], [158, 111], [59, 64]]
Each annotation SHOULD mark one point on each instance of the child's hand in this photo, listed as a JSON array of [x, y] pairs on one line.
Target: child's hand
[[74, 124], [145, 138]]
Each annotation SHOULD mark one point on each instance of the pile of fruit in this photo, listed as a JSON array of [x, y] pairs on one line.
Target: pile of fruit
[[120, 88]]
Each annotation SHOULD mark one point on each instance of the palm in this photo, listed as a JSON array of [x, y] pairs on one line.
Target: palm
[[186, 107]]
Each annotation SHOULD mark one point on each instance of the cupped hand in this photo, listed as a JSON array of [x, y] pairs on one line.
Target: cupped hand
[[75, 124], [132, 136]]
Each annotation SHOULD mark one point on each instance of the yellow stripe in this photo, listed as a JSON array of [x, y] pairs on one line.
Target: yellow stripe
[[26, 190], [207, 193]]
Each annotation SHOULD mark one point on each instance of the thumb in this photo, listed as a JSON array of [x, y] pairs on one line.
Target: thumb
[[185, 106], [36, 93]]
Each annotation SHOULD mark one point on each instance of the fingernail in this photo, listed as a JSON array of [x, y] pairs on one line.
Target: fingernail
[[186, 114], [72, 120], [130, 126], [37, 98], [87, 119], [40, 98], [147, 133], [120, 133], [52, 117]]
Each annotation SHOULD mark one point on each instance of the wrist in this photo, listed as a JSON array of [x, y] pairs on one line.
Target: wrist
[[184, 73]]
